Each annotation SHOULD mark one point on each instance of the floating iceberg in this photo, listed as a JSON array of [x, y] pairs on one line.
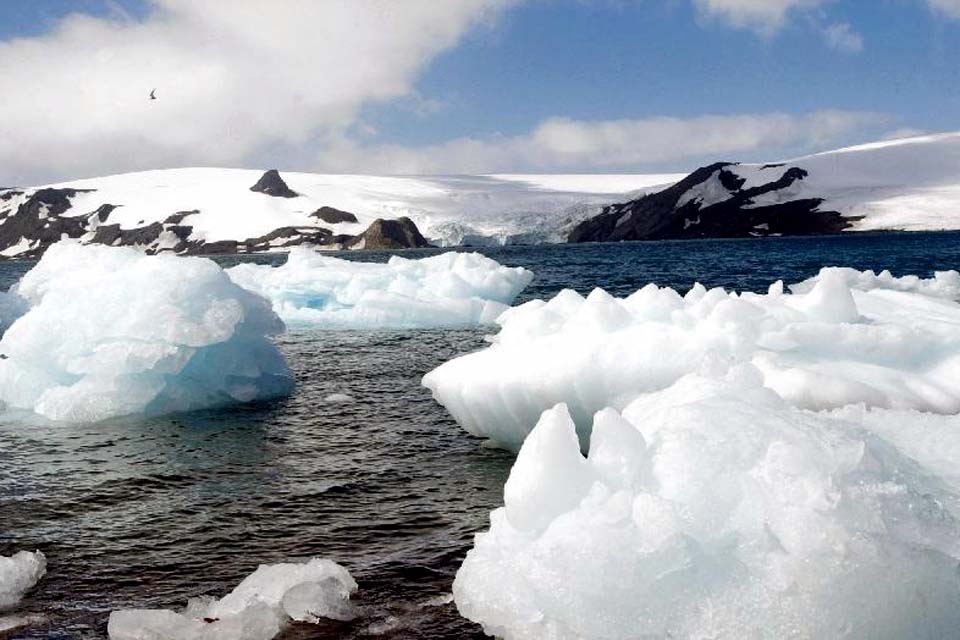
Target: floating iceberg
[[258, 609], [109, 331], [18, 574], [839, 339], [448, 290], [715, 509]]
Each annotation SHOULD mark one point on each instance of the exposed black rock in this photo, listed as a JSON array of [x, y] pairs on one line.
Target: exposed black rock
[[288, 237], [333, 216], [178, 217], [668, 214], [401, 233], [102, 213], [272, 184], [38, 221]]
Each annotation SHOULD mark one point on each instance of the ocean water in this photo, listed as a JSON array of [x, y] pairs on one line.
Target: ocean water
[[150, 512]]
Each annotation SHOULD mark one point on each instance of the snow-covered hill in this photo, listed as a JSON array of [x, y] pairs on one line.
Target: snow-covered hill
[[908, 184], [198, 210]]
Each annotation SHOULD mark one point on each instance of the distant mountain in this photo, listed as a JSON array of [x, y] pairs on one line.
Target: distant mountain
[[205, 210], [908, 184]]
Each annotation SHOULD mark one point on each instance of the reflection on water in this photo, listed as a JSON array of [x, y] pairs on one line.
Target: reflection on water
[[150, 512]]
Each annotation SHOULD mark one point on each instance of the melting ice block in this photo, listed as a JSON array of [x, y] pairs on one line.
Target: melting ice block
[[257, 609], [841, 338], [18, 574], [448, 290], [109, 331], [715, 509]]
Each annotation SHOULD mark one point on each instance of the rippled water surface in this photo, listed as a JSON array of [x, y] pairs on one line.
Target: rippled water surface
[[151, 512]]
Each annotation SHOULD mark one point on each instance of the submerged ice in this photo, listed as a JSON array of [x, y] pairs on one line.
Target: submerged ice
[[257, 609], [448, 290], [101, 332], [715, 509], [18, 574], [841, 338]]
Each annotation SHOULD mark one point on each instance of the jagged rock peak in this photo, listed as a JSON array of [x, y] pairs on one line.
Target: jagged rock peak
[[272, 184], [401, 233]]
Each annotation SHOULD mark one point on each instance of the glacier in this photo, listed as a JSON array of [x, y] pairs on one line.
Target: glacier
[[18, 574], [716, 509], [98, 332], [257, 609], [447, 290], [841, 338]]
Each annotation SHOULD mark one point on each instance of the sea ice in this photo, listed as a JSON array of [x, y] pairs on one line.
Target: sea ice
[[110, 331], [257, 609], [715, 509], [18, 574], [839, 339], [448, 290]]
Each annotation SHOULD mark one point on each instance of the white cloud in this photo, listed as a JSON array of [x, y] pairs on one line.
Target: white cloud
[[562, 144], [763, 16], [842, 37], [232, 77], [949, 8]]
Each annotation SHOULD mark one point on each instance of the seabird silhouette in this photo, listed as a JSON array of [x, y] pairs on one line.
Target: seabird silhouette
[[153, 94]]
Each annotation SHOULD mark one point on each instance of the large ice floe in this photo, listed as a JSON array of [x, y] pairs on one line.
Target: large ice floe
[[18, 574], [448, 290], [96, 332], [715, 509], [758, 466], [257, 609], [841, 338]]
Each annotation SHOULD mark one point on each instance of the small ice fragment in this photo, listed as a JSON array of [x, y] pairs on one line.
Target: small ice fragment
[[257, 609], [18, 574]]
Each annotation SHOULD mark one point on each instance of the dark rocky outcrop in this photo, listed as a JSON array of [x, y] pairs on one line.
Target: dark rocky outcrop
[[31, 221], [401, 233], [333, 216], [680, 211], [179, 216], [285, 237], [38, 221], [272, 184]]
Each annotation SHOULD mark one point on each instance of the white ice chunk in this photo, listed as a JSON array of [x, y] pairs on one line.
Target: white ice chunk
[[338, 397], [257, 609], [447, 290], [734, 515], [944, 284], [18, 574], [840, 339], [111, 331]]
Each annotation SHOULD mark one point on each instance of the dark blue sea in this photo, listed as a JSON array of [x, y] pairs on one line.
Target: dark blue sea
[[150, 512]]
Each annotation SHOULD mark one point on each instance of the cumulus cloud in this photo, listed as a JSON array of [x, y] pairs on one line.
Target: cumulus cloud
[[559, 144], [763, 16], [949, 8], [842, 37], [232, 77]]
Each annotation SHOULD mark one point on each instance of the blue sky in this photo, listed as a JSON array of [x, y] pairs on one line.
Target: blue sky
[[486, 98], [608, 60]]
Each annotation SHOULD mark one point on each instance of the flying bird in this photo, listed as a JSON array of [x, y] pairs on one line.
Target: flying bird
[[153, 94]]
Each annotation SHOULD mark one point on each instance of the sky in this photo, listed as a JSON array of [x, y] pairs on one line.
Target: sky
[[463, 86]]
